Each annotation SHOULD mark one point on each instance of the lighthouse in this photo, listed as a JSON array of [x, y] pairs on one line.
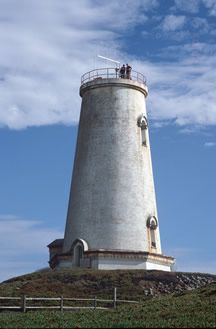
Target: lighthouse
[[112, 220]]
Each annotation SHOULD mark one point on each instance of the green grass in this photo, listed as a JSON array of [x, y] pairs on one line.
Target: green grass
[[174, 305], [89, 283], [194, 309]]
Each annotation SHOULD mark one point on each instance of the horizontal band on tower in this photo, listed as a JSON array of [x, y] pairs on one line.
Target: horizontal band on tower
[[125, 83]]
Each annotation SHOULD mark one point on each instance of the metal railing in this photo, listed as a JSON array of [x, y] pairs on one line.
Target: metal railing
[[111, 73]]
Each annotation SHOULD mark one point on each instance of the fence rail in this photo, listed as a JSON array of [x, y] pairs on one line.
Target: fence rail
[[111, 73], [24, 304]]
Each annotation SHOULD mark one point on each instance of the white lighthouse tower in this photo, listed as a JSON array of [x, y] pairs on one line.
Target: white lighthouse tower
[[112, 220]]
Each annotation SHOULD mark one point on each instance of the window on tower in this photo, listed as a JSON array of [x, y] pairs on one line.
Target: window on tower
[[152, 226], [143, 124], [153, 238]]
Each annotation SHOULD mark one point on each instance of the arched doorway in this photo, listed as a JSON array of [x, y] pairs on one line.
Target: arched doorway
[[78, 248], [78, 253]]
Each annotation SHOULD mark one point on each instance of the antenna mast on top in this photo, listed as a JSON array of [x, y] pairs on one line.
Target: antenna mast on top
[[109, 59]]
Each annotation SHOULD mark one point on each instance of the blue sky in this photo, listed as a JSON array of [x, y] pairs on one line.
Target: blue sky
[[45, 48]]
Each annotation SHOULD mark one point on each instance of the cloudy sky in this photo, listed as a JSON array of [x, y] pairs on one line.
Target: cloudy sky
[[45, 48]]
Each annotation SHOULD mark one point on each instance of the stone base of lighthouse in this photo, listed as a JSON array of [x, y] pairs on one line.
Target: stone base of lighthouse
[[81, 256]]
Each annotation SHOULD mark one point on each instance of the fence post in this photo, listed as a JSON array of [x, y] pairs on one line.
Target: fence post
[[61, 304], [23, 303], [114, 298], [95, 302]]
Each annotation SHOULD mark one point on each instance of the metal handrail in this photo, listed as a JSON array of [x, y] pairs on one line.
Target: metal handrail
[[111, 73]]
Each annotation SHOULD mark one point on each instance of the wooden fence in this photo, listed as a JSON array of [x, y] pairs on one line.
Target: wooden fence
[[24, 303]]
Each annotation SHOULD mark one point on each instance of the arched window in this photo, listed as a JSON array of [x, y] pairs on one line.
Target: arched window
[[143, 124], [152, 226], [153, 240]]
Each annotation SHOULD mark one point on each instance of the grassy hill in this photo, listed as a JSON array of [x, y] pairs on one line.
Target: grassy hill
[[174, 300]]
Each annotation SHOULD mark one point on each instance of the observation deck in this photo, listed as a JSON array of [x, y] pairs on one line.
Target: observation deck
[[113, 76], [112, 73]]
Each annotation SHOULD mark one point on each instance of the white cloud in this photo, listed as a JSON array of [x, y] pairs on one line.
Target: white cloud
[[173, 23], [191, 6], [182, 91], [210, 144], [195, 52], [200, 24], [47, 46], [23, 245], [211, 5]]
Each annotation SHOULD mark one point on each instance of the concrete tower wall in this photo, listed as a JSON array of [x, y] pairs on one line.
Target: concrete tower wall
[[112, 191]]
